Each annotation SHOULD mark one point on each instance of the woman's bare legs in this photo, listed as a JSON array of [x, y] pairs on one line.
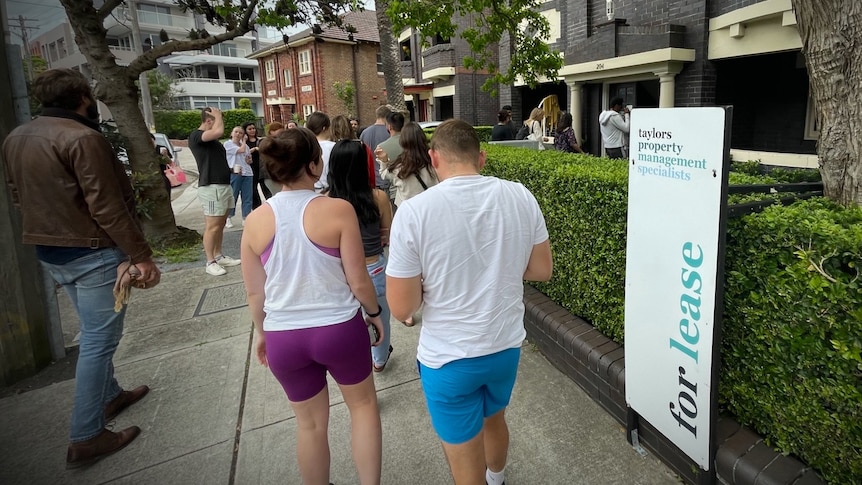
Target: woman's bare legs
[[366, 434], [312, 438]]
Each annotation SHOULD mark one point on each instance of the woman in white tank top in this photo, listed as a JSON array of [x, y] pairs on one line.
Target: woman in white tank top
[[306, 281]]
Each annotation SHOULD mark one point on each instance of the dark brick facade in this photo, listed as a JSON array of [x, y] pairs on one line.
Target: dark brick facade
[[641, 26], [470, 103]]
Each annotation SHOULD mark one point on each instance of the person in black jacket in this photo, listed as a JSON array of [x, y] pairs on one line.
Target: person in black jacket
[[502, 130]]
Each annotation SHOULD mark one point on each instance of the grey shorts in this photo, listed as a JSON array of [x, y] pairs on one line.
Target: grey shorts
[[216, 199]]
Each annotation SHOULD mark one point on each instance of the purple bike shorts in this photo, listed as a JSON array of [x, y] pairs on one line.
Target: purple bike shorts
[[299, 359]]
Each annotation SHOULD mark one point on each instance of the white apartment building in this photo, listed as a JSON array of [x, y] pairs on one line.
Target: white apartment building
[[219, 76]]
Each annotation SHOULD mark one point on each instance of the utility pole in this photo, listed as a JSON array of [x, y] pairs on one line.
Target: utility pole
[[146, 100], [25, 38]]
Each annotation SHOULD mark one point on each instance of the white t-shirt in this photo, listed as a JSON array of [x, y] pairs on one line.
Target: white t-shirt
[[470, 237], [326, 149]]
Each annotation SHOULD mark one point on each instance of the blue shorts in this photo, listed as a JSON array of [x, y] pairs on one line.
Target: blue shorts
[[462, 393]]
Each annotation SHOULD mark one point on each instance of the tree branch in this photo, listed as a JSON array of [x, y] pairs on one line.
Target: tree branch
[[107, 8], [149, 59]]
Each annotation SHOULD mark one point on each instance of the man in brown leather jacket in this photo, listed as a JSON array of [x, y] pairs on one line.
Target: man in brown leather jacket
[[78, 209]]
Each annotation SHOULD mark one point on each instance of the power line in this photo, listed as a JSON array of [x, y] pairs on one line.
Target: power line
[[34, 4]]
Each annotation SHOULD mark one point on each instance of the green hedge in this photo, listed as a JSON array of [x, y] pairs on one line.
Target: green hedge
[[793, 326], [787, 327], [484, 132], [179, 124]]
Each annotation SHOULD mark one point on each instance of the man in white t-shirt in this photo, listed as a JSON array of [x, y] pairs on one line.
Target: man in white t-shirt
[[464, 248]]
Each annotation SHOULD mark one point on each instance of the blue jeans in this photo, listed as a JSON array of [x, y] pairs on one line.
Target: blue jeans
[[242, 187], [377, 270], [89, 281]]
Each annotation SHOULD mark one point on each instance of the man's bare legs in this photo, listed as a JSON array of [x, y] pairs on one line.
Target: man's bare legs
[[366, 434], [496, 441], [488, 449], [213, 236], [312, 438]]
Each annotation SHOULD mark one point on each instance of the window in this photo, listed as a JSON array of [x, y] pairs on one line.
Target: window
[[288, 81], [379, 62], [234, 73], [812, 122], [270, 70], [123, 43], [307, 109], [220, 102], [439, 39], [305, 62], [150, 40], [207, 71], [404, 49]]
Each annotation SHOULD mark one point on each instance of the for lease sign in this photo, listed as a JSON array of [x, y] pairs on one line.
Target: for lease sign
[[675, 206]]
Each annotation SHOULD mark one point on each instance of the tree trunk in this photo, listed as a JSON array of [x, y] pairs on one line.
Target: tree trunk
[[158, 215], [391, 58], [831, 32], [118, 91]]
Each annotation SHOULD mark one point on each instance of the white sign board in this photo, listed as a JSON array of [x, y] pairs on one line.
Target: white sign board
[[675, 205]]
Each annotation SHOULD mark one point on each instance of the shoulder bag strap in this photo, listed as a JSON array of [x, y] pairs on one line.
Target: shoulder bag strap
[[424, 187]]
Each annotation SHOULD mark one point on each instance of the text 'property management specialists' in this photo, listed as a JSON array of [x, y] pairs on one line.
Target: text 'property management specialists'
[[659, 149]]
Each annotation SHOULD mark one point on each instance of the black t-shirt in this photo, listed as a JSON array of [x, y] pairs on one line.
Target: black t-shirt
[[211, 159], [501, 132]]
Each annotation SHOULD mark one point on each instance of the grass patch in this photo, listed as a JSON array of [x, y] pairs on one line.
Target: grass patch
[[184, 246]]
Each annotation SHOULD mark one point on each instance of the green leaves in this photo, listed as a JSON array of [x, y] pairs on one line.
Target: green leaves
[[792, 326], [516, 26]]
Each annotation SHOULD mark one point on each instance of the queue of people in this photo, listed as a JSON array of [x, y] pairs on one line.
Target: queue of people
[[321, 285]]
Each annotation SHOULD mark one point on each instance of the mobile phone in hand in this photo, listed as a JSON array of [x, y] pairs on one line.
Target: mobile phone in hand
[[373, 334]]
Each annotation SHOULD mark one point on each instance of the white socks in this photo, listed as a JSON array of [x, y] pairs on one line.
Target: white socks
[[495, 478]]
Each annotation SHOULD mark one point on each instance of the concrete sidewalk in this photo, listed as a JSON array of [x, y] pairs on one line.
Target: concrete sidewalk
[[216, 416]]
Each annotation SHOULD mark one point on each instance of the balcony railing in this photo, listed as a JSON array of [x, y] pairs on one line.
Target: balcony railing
[[238, 86], [165, 20]]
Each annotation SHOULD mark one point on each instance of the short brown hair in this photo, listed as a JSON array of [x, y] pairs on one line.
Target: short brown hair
[[317, 122], [288, 154], [61, 88], [382, 112], [274, 126], [457, 138], [206, 114]]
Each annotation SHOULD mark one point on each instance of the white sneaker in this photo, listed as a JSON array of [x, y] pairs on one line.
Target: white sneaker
[[229, 223], [215, 270], [227, 261]]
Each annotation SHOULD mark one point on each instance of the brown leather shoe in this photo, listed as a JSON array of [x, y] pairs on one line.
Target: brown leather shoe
[[124, 400], [107, 442]]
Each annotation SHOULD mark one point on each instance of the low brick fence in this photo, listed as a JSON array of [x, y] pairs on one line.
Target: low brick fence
[[597, 364]]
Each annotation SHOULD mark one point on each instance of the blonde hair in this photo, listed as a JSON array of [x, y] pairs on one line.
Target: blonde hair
[[537, 114]]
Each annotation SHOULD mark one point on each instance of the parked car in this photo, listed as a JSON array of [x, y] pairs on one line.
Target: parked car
[[429, 124], [162, 140]]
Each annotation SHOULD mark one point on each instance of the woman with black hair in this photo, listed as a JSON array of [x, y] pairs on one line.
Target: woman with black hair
[[348, 180], [251, 141], [565, 141]]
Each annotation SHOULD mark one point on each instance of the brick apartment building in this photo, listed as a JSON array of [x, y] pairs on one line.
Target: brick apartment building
[[436, 84], [299, 76], [665, 53]]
